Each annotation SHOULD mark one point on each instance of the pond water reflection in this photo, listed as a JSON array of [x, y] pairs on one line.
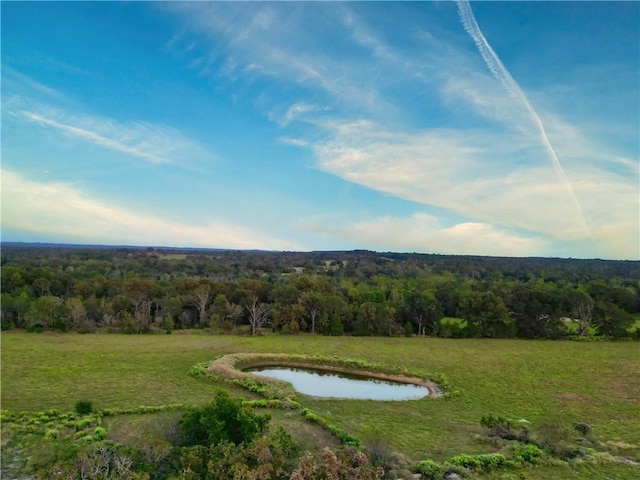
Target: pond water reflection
[[338, 385]]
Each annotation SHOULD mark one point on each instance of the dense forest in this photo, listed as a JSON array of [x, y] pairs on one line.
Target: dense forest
[[144, 290]]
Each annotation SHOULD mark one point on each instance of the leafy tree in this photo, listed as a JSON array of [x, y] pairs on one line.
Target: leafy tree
[[611, 320], [13, 309], [423, 310], [487, 315], [536, 310], [47, 312], [336, 328]]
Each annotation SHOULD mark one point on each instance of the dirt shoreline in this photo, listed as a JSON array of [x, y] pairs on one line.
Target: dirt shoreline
[[432, 387]]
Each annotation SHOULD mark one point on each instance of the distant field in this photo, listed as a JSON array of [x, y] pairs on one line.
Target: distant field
[[595, 383]]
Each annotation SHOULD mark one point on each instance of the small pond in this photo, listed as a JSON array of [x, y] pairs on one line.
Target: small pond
[[338, 385]]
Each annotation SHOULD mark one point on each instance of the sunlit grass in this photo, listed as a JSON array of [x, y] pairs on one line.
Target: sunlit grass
[[595, 383]]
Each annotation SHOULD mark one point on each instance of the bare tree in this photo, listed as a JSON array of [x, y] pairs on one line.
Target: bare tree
[[77, 310], [201, 297], [258, 314], [585, 317], [313, 303]]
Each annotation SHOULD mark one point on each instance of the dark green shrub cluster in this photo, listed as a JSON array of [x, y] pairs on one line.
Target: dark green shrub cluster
[[83, 407], [225, 419], [582, 428], [340, 434], [484, 462]]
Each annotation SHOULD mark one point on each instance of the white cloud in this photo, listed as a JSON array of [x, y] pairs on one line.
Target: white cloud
[[456, 171], [159, 144], [294, 142], [295, 112], [424, 233], [61, 211]]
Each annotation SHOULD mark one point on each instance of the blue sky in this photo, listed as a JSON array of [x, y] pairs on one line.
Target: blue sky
[[490, 128]]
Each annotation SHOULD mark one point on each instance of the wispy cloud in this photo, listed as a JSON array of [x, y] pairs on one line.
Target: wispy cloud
[[495, 164], [61, 211], [159, 144], [14, 80], [504, 77], [294, 112], [294, 142], [254, 42]]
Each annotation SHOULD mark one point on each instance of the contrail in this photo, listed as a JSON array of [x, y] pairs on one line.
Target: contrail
[[502, 74]]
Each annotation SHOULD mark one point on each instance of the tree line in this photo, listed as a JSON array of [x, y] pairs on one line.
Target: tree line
[[141, 290]]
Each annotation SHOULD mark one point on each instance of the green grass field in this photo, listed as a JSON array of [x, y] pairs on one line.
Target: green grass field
[[566, 382]]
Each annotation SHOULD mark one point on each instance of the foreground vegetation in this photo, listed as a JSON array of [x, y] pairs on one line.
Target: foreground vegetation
[[523, 409]]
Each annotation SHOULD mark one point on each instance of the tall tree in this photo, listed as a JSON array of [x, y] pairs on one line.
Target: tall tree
[[487, 315], [258, 314]]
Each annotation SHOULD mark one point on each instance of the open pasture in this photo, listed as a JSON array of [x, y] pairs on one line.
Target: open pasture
[[565, 382]]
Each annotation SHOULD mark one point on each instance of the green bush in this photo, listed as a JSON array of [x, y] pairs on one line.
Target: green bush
[[429, 470], [529, 453], [99, 433], [83, 407], [224, 419], [199, 370], [450, 327], [408, 329], [483, 462], [82, 424]]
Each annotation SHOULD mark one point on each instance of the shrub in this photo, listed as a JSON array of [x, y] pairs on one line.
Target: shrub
[[199, 370], [99, 434], [408, 329], [224, 419], [329, 464], [450, 327], [381, 455], [83, 407], [528, 454], [429, 470], [484, 462], [551, 435], [82, 424], [51, 434], [582, 428], [503, 428]]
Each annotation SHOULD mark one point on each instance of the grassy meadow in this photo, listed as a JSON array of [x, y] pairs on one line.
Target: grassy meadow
[[597, 383]]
